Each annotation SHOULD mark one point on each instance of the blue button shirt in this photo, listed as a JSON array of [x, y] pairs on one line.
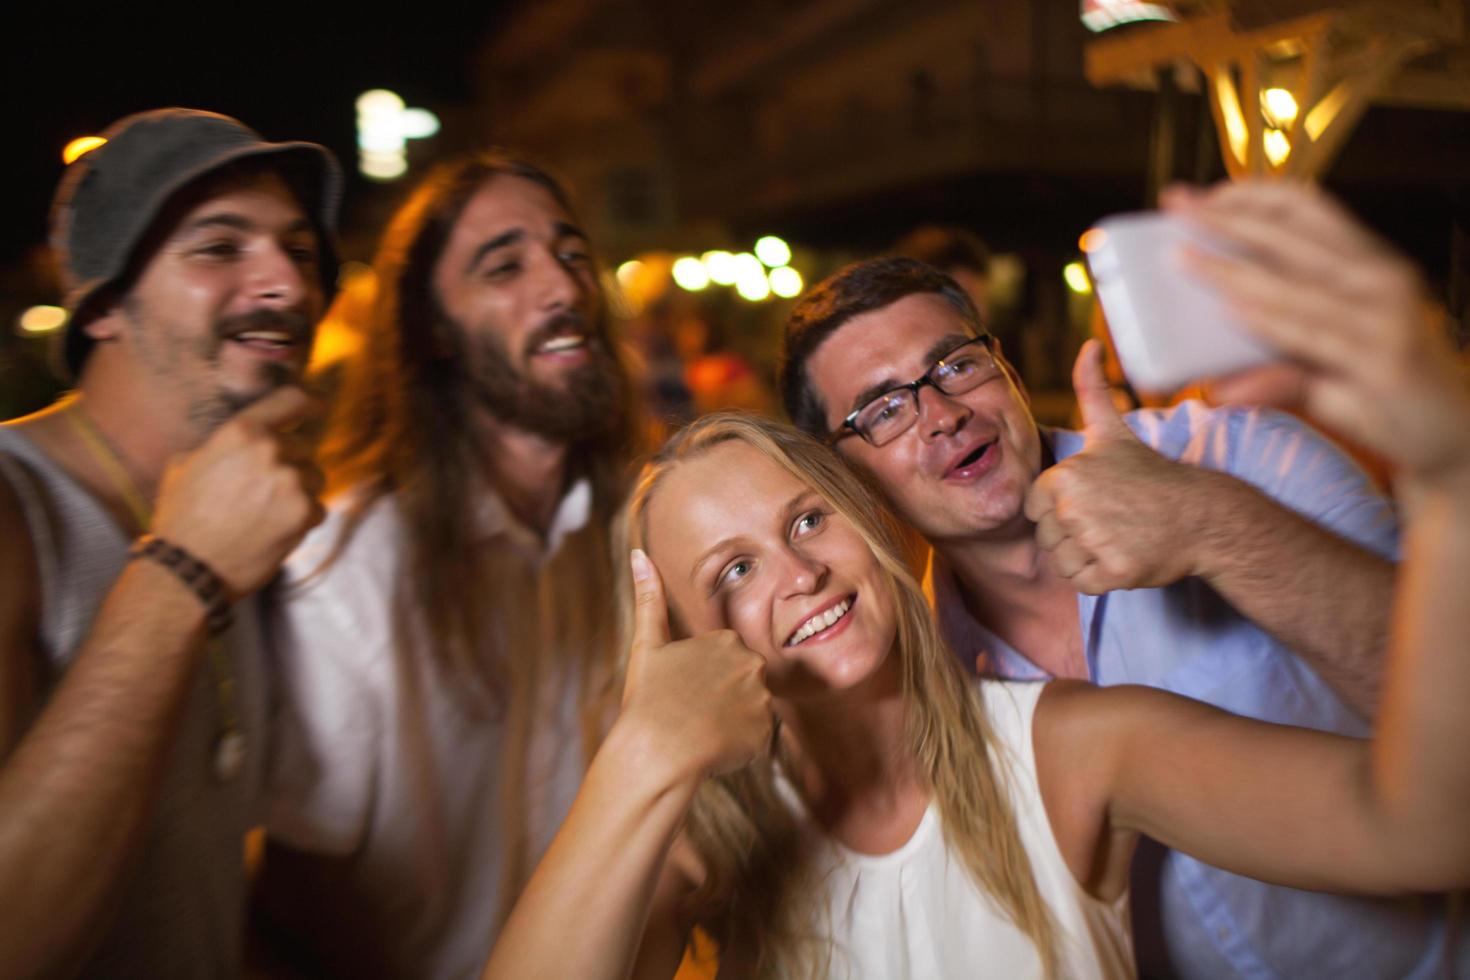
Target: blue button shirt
[[1185, 638]]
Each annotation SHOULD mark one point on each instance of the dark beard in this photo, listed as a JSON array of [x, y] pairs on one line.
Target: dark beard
[[271, 375], [589, 405]]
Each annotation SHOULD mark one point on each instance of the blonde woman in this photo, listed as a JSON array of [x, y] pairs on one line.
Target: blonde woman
[[910, 822]]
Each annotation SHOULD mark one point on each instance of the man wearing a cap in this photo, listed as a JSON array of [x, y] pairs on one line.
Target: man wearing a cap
[[139, 514]]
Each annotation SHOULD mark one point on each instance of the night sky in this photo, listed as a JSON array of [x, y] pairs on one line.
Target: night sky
[[291, 72]]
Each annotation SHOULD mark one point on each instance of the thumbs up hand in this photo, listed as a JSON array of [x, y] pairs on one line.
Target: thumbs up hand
[[1101, 421], [699, 707], [1116, 515]]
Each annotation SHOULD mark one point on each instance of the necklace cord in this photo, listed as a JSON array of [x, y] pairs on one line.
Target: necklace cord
[[215, 601]]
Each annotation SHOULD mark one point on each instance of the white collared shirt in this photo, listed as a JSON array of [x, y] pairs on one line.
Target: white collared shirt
[[377, 767]]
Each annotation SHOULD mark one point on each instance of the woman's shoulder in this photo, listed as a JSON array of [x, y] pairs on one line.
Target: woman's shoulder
[[1039, 723], [1010, 706], [1082, 713]]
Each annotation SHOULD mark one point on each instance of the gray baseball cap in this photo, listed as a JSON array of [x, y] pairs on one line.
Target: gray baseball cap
[[109, 199]]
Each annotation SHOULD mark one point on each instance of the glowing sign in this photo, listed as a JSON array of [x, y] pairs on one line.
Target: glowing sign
[[1100, 15], [384, 127]]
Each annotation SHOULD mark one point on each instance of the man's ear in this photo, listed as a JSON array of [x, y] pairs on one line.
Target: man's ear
[[1010, 371], [106, 322]]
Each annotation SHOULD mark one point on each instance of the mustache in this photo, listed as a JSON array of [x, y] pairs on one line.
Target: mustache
[[298, 325], [559, 324]]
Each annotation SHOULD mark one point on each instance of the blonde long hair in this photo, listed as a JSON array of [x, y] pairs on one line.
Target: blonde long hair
[[757, 885]]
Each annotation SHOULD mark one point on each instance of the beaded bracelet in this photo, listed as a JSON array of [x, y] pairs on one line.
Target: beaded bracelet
[[199, 577]]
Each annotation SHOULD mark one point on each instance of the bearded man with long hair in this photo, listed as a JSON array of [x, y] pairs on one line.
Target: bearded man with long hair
[[446, 640]]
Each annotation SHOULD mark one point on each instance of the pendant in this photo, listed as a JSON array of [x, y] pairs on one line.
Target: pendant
[[229, 755]]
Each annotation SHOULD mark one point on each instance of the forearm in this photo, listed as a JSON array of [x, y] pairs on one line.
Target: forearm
[[1420, 769], [77, 792], [584, 911], [1323, 596]]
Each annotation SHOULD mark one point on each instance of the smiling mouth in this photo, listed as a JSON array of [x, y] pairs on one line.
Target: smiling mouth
[[561, 344], [822, 621], [266, 340], [970, 460]]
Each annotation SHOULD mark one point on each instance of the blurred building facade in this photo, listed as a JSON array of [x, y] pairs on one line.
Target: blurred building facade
[[842, 123], [692, 125]]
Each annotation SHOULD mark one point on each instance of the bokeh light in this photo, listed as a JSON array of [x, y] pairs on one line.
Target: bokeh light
[[1279, 107], [41, 320], [1277, 146], [628, 271], [773, 251], [721, 267], [79, 148], [689, 273], [1092, 239], [1075, 273], [786, 282], [384, 127]]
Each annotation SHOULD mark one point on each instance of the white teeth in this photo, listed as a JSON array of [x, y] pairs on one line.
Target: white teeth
[[819, 622], [562, 343]]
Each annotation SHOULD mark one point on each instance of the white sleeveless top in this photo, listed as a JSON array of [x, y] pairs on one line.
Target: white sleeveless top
[[915, 913]]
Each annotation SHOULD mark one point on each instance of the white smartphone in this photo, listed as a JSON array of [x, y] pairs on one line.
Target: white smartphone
[[1169, 327]]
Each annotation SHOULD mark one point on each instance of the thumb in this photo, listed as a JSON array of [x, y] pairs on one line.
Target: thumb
[[1100, 417], [650, 612], [1040, 498]]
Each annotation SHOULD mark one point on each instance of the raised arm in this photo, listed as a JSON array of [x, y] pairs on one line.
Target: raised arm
[[77, 785], [1119, 515], [604, 901], [1288, 805]]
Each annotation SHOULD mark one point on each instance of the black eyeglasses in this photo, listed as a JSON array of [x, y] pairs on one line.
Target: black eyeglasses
[[882, 419]]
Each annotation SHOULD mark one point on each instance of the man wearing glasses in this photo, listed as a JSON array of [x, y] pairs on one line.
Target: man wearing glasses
[[1230, 555]]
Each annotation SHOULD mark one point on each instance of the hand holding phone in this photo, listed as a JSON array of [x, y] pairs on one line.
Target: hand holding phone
[[1169, 326], [1348, 313]]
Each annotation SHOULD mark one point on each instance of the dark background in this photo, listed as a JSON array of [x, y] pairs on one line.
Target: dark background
[[686, 125]]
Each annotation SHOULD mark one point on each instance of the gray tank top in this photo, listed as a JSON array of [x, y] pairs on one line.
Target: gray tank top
[[181, 912]]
